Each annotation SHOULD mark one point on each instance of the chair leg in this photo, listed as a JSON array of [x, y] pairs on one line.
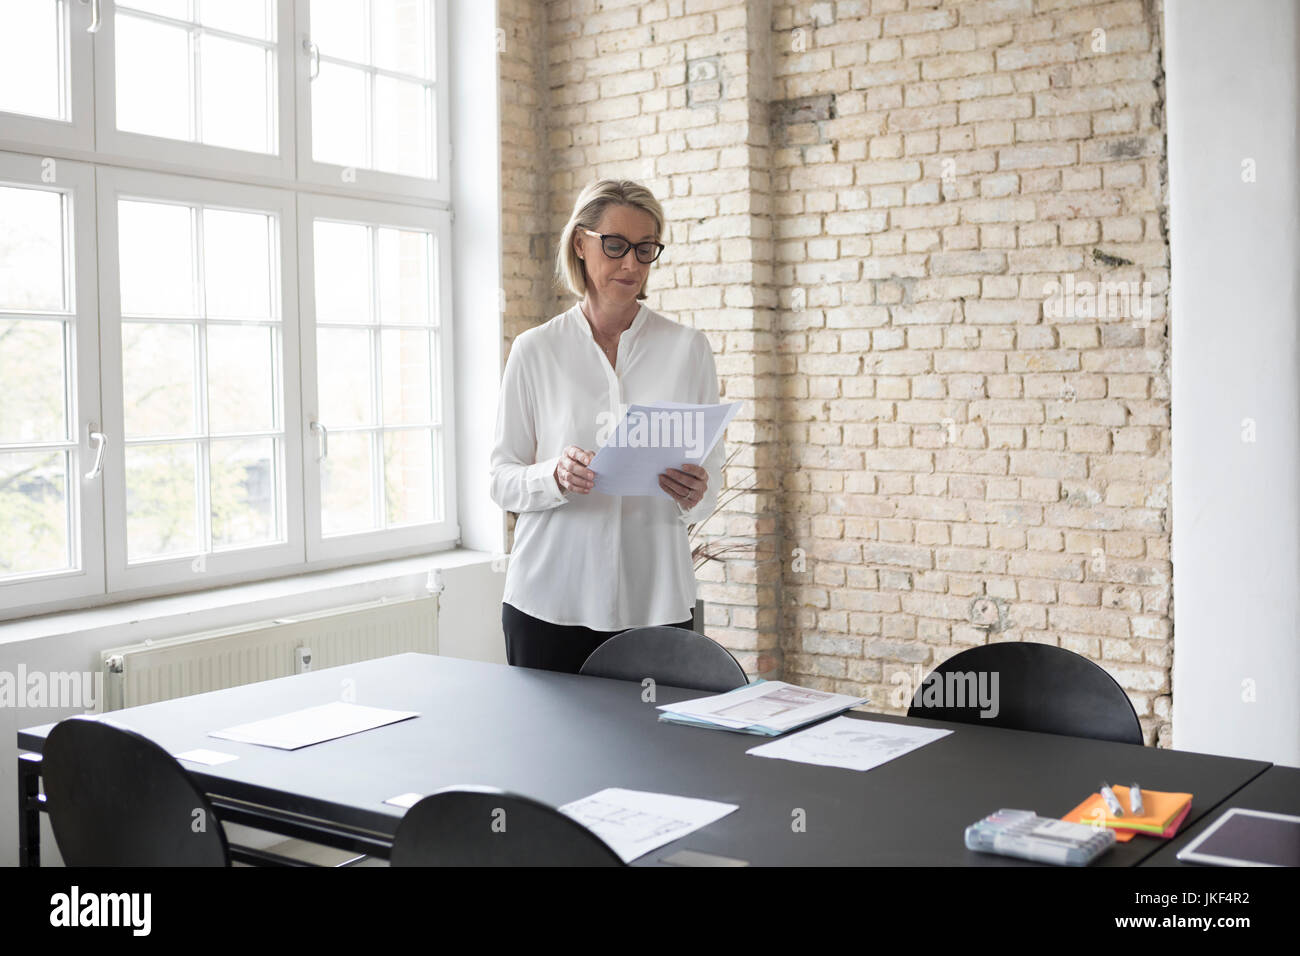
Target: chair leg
[[29, 810]]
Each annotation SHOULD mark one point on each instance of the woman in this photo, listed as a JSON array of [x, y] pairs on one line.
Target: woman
[[586, 566]]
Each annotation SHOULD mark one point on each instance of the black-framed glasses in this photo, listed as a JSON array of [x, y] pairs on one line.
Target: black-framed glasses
[[616, 247]]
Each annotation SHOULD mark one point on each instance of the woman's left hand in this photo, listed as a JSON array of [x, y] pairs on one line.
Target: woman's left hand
[[687, 484]]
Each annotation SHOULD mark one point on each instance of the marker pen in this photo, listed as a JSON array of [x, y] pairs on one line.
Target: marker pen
[[1112, 802], [1135, 799]]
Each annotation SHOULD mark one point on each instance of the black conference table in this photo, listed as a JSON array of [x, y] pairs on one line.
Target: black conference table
[[560, 737]]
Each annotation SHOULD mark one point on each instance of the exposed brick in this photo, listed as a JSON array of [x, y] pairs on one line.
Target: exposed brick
[[866, 233]]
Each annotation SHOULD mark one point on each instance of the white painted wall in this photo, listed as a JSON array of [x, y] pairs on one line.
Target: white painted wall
[[476, 264], [1231, 82]]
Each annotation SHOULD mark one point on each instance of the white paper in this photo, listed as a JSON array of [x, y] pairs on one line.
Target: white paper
[[634, 822], [653, 438], [312, 725], [771, 704], [406, 800], [851, 744], [211, 758]]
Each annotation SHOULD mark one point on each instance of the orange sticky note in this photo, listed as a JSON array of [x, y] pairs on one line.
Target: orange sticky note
[[1162, 813]]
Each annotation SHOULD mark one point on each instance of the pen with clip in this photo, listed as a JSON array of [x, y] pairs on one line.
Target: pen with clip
[[1112, 801]]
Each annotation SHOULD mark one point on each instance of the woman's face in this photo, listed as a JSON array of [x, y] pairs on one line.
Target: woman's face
[[616, 281]]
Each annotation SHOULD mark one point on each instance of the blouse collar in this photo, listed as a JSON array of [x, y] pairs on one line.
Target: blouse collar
[[638, 321]]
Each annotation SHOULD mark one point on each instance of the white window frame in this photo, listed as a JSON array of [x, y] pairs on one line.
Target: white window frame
[[93, 160], [434, 535], [329, 174], [183, 153], [85, 495], [20, 131], [112, 185]]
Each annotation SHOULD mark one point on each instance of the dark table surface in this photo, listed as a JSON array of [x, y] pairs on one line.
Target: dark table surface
[[559, 737], [1276, 790]]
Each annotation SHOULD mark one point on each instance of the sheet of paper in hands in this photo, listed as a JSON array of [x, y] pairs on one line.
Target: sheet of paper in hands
[[653, 438]]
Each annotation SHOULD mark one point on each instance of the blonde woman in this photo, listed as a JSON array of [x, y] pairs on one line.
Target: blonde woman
[[586, 566]]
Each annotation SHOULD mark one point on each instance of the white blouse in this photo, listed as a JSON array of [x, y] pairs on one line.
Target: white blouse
[[603, 562]]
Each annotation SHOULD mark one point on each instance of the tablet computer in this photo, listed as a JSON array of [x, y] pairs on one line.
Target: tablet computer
[[1247, 838]]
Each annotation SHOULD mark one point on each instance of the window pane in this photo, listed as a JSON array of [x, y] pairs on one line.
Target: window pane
[[31, 250], [247, 17], [34, 512], [343, 367], [405, 376], [347, 502], [161, 500], [243, 493], [237, 264], [408, 476], [153, 78], [33, 397], [342, 253], [403, 268], [338, 116], [30, 47], [236, 106], [178, 9], [401, 127], [157, 379], [157, 263], [401, 36], [241, 382], [338, 28]]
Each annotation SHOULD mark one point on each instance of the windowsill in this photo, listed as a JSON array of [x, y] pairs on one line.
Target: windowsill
[[255, 600]]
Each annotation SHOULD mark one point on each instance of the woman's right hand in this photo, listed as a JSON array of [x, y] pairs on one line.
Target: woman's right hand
[[572, 473]]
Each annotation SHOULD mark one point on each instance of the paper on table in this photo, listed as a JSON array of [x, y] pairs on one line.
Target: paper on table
[[211, 758], [634, 822], [773, 706], [312, 725], [406, 800], [653, 438], [851, 744]]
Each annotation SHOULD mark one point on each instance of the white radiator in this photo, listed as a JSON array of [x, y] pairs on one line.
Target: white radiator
[[211, 660]]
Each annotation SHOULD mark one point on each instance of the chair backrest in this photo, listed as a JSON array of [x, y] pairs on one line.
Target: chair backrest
[[1028, 686], [669, 655], [483, 826], [116, 798]]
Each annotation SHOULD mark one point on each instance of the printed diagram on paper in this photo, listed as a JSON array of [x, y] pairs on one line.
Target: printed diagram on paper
[[779, 700], [849, 743]]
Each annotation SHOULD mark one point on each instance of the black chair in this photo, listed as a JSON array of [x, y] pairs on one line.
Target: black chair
[[483, 826], [116, 798], [1039, 687], [669, 655]]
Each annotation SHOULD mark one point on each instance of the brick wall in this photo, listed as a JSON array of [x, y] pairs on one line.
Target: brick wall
[[891, 219], [525, 242]]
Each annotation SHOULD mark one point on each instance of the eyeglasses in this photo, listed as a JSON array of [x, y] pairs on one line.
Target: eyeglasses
[[616, 247]]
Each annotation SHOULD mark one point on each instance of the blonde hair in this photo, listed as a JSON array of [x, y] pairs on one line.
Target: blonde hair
[[587, 210]]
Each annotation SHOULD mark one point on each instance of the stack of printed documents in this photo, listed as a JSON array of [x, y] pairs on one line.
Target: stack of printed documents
[[652, 438], [766, 708]]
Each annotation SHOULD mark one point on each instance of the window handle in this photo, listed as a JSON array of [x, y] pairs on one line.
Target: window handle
[[100, 440], [323, 440], [312, 50], [95, 21]]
